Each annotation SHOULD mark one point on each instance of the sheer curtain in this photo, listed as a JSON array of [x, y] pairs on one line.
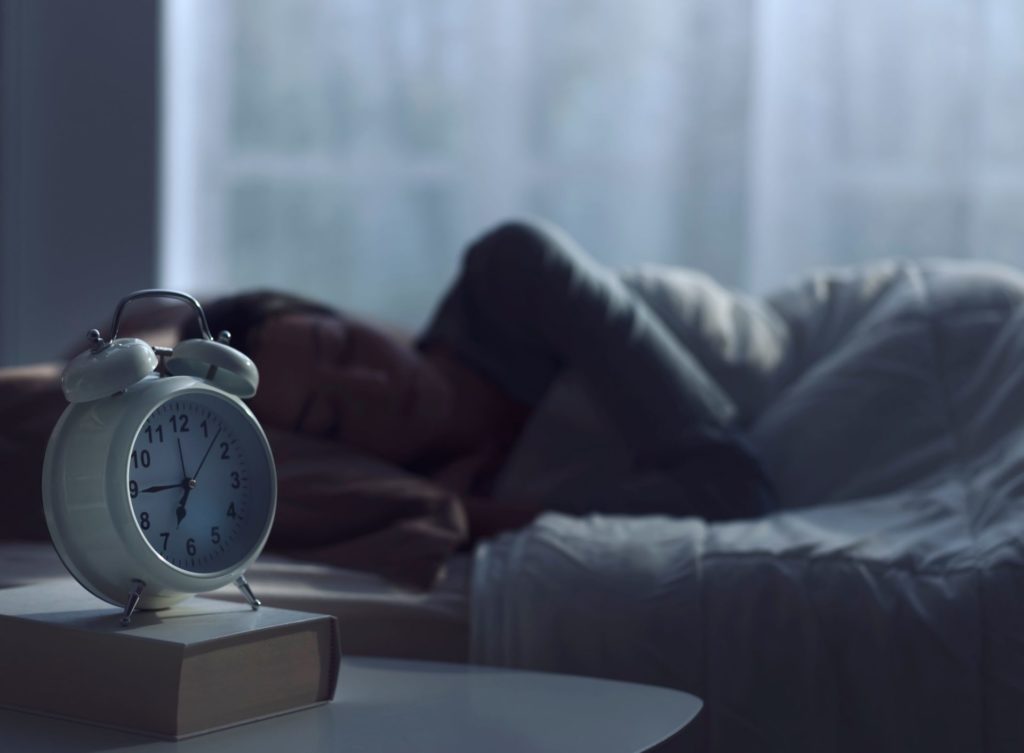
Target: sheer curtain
[[348, 149], [886, 129]]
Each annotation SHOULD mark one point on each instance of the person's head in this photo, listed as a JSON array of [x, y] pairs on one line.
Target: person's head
[[332, 375]]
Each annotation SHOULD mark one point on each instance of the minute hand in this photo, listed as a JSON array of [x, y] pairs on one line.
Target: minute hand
[[203, 461]]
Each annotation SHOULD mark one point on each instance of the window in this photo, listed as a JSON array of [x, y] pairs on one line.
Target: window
[[348, 149]]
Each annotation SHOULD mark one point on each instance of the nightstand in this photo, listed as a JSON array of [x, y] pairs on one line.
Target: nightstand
[[393, 705]]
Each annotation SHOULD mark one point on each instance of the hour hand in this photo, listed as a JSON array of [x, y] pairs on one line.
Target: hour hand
[[162, 487], [181, 510]]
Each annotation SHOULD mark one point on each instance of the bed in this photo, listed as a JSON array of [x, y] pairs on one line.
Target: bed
[[879, 609]]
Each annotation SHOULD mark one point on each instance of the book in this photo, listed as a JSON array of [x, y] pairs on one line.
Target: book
[[201, 666]]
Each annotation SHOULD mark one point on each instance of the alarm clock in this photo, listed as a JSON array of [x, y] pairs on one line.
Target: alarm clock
[[158, 481]]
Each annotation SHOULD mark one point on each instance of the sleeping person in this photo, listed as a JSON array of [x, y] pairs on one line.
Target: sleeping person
[[391, 451], [450, 406]]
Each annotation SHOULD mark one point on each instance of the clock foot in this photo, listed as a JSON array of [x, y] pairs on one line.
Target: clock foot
[[133, 601], [243, 586]]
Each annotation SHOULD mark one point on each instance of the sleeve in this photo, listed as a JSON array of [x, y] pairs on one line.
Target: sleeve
[[529, 303]]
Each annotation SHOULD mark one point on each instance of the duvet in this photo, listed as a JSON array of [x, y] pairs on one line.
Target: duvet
[[883, 607]]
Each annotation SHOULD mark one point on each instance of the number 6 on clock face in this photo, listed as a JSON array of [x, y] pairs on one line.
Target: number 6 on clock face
[[198, 483]]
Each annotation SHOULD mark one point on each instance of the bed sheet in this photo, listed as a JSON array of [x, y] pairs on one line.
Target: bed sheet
[[376, 618]]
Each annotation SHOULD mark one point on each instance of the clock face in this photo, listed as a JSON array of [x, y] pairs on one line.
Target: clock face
[[199, 483]]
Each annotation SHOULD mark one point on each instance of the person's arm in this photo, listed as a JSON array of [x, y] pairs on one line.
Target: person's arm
[[529, 303], [486, 518]]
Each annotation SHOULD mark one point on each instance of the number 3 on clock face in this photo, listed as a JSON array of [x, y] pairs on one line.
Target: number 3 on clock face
[[198, 484]]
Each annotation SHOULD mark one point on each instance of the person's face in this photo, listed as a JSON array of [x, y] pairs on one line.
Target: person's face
[[339, 378]]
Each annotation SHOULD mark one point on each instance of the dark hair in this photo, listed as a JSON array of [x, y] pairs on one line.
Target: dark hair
[[241, 314]]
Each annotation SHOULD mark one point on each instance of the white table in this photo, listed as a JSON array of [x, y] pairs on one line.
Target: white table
[[392, 706]]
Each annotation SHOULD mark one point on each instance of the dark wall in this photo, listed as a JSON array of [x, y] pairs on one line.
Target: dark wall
[[78, 167]]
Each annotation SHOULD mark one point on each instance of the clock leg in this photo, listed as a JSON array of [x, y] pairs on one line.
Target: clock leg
[[243, 586], [133, 601]]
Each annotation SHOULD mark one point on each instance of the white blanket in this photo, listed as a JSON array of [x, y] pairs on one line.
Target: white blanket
[[882, 609]]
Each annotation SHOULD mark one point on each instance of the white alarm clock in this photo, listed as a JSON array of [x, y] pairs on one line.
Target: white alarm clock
[[157, 487]]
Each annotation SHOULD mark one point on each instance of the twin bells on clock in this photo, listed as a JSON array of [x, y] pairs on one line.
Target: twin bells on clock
[[111, 366], [159, 485]]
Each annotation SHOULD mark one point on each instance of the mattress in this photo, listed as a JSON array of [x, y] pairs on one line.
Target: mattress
[[375, 617]]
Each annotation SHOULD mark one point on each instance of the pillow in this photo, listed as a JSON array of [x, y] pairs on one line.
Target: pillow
[[30, 404], [341, 507]]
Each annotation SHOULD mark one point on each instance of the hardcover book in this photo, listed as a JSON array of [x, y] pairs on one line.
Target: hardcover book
[[203, 665]]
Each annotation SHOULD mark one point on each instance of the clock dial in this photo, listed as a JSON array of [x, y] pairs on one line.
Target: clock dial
[[199, 484]]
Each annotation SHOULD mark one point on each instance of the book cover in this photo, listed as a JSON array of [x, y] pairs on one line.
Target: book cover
[[203, 665]]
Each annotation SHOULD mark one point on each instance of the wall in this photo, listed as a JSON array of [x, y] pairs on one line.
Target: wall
[[78, 167]]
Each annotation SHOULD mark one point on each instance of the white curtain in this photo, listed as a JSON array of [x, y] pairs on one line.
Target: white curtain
[[886, 129], [348, 149]]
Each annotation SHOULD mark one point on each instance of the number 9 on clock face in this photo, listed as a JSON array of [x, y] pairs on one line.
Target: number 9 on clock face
[[198, 483]]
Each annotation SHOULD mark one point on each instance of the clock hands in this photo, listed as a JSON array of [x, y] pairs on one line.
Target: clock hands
[[203, 461], [180, 512], [181, 459], [183, 484], [190, 483], [164, 487]]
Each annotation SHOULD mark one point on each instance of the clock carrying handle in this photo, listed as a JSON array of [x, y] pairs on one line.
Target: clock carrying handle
[[204, 326], [114, 365]]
